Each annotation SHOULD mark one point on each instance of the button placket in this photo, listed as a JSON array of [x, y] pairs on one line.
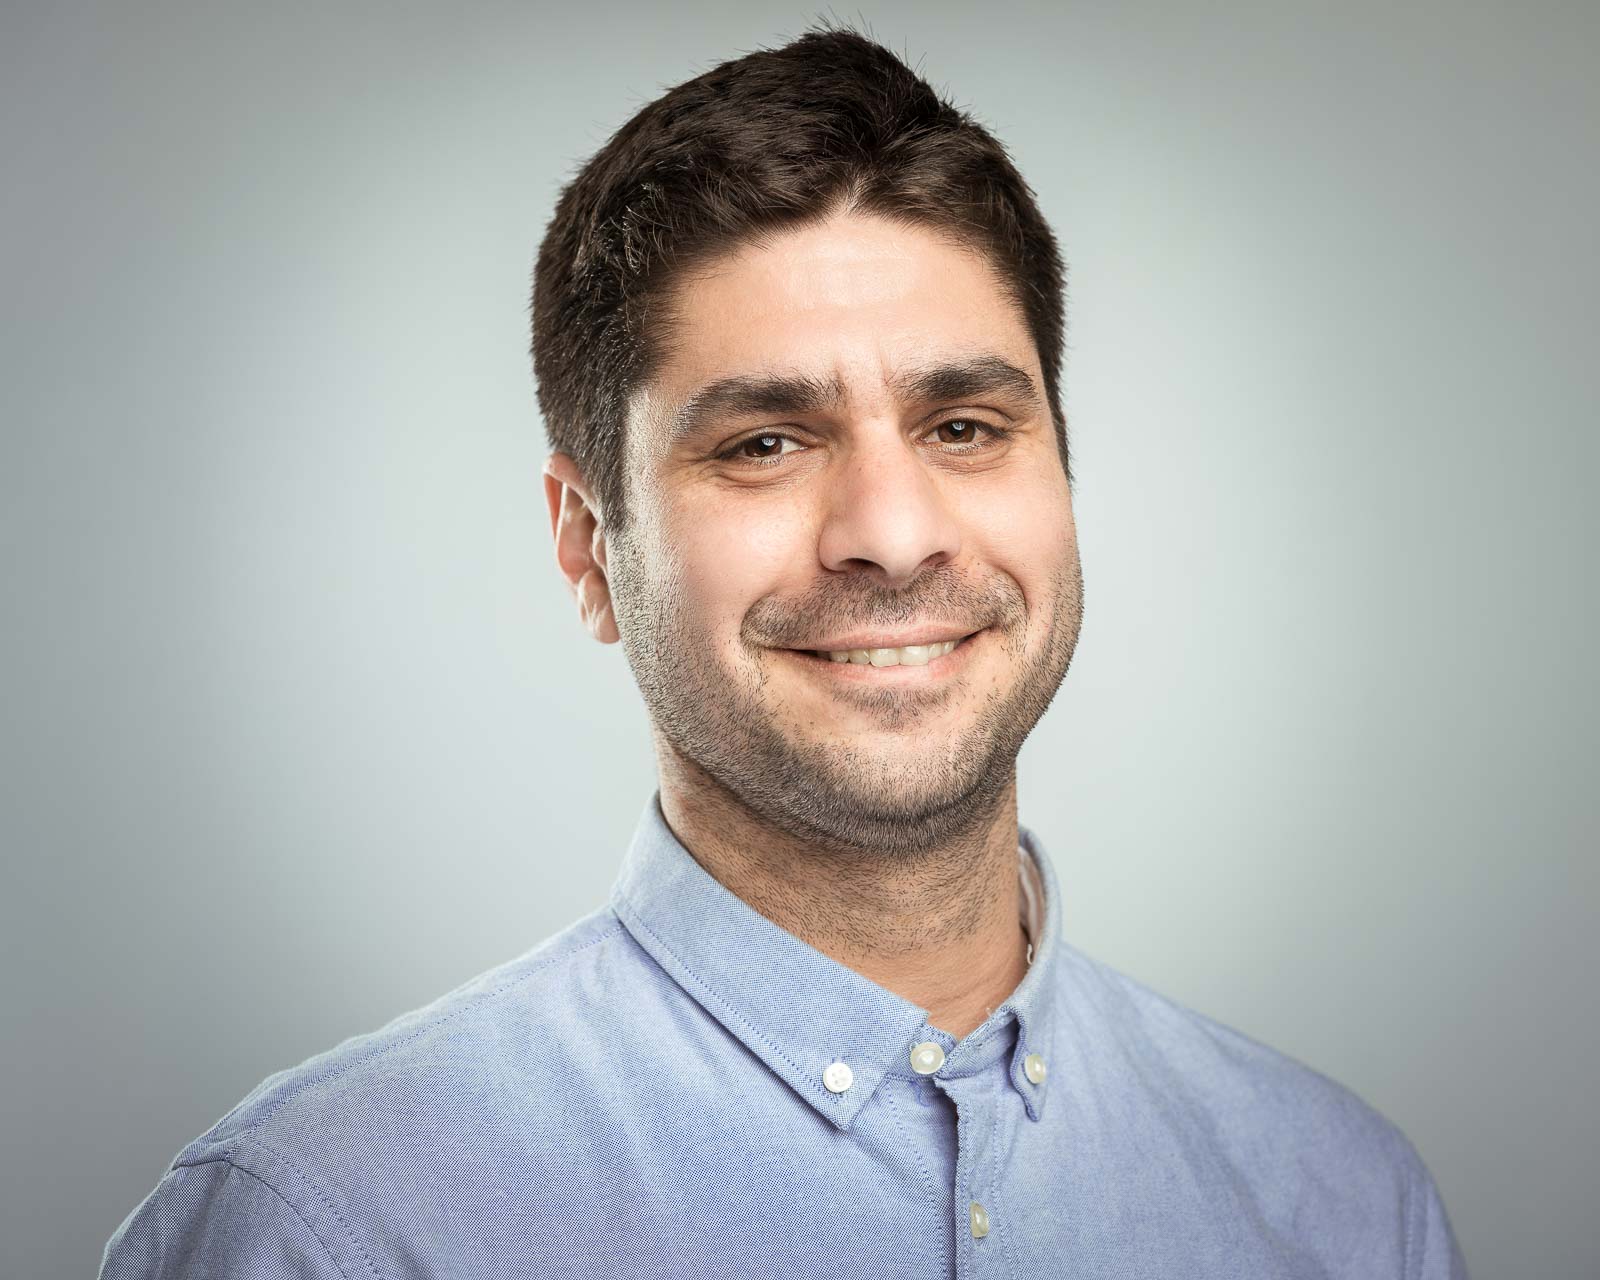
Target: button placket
[[976, 1106]]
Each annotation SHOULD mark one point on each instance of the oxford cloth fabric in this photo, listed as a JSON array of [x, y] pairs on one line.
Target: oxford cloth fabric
[[643, 1095]]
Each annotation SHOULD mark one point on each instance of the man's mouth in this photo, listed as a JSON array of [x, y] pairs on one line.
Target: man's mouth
[[911, 655]]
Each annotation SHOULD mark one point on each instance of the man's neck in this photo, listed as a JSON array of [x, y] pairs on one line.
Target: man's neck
[[941, 928]]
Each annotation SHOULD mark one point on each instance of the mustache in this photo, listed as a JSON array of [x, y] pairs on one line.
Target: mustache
[[948, 601]]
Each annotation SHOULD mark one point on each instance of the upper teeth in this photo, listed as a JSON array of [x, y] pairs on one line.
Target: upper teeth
[[911, 655]]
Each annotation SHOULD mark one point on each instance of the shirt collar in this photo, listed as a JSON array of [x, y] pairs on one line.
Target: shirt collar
[[799, 1010]]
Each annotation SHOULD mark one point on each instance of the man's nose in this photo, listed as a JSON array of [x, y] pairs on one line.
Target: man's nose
[[886, 510]]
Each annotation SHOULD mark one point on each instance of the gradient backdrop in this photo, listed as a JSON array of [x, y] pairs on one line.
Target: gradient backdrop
[[299, 728]]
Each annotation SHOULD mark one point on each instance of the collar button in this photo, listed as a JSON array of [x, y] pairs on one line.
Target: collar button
[[926, 1058]]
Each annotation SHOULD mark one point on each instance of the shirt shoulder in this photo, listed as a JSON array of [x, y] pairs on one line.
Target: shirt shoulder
[[452, 1052], [1213, 1064], [1309, 1154], [320, 1156]]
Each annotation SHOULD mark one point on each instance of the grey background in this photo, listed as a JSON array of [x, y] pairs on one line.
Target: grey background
[[300, 728]]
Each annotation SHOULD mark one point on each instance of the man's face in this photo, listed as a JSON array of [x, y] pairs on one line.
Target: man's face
[[848, 447]]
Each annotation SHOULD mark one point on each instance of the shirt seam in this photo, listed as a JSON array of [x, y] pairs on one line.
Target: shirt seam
[[317, 1191], [292, 1207], [250, 1130]]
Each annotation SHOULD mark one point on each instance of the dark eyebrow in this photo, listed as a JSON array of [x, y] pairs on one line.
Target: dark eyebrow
[[748, 395], [966, 380]]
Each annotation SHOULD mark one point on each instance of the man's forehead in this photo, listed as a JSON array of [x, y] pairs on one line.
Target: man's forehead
[[674, 416]]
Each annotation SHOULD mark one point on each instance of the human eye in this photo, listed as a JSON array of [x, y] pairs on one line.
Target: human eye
[[766, 439], [973, 435]]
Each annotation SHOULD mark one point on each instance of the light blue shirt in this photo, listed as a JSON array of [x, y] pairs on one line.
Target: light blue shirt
[[675, 1086]]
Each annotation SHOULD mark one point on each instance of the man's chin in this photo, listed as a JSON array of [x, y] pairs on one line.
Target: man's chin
[[869, 793]]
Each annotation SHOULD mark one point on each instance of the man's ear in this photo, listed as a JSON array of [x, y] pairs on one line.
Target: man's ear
[[580, 545]]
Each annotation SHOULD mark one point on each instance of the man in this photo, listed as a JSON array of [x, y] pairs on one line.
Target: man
[[797, 330]]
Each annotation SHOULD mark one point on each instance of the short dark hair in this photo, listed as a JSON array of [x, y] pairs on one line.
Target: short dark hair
[[776, 138]]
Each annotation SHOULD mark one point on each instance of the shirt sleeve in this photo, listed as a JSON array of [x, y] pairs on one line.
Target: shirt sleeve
[[217, 1222]]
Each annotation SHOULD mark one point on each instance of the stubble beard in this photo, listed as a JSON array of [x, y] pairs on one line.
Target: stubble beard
[[836, 795]]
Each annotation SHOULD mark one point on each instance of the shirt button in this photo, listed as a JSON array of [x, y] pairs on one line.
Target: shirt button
[[980, 1221], [1033, 1068], [838, 1077], [926, 1058]]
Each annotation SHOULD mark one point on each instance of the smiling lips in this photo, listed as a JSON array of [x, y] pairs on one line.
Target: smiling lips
[[916, 654], [910, 655]]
